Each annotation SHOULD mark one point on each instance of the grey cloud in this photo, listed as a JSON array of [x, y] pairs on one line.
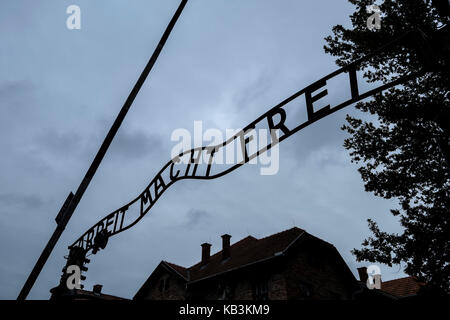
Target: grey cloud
[[14, 89], [15, 96], [197, 216], [246, 97], [21, 200], [136, 144], [58, 143]]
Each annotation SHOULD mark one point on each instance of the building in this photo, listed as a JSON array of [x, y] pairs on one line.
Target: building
[[402, 288], [292, 264], [406, 287]]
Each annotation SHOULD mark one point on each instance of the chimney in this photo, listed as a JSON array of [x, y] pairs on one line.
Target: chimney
[[363, 274], [226, 246], [206, 251], [97, 289]]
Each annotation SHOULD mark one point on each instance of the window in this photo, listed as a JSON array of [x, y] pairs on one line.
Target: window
[[164, 284], [305, 290], [224, 292], [260, 290]]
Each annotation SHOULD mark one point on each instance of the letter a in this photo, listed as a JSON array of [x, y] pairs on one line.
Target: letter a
[[73, 281], [74, 20]]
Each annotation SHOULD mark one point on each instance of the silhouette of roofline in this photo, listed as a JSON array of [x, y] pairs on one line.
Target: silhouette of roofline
[[179, 270], [251, 263]]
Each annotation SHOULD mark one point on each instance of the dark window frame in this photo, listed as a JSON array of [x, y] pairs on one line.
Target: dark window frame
[[260, 289]]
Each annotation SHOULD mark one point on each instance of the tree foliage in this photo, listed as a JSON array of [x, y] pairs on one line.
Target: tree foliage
[[404, 153]]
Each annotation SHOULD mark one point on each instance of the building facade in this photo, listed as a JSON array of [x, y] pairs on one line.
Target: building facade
[[291, 264]]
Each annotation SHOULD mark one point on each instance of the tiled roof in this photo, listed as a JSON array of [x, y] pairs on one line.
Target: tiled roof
[[246, 251], [402, 287]]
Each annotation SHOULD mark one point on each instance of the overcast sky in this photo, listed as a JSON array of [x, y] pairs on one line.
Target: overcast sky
[[225, 63]]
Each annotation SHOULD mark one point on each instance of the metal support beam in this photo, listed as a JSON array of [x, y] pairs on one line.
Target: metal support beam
[[97, 160]]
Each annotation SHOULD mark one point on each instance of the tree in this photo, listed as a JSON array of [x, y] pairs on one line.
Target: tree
[[404, 154]]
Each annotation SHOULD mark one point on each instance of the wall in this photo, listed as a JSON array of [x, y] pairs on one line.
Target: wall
[[175, 290], [315, 271]]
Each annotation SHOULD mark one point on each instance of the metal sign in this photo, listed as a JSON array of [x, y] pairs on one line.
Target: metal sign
[[275, 120]]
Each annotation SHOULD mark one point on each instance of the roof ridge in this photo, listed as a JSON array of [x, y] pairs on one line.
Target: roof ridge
[[182, 271], [247, 237], [278, 233], [174, 264]]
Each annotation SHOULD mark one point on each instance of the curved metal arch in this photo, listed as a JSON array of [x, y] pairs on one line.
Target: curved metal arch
[[113, 223]]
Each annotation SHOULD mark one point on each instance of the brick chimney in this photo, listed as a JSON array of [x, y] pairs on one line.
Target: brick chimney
[[363, 274], [226, 246], [206, 252], [97, 289]]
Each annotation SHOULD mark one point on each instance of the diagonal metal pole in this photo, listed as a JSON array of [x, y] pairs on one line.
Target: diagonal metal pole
[[72, 200]]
